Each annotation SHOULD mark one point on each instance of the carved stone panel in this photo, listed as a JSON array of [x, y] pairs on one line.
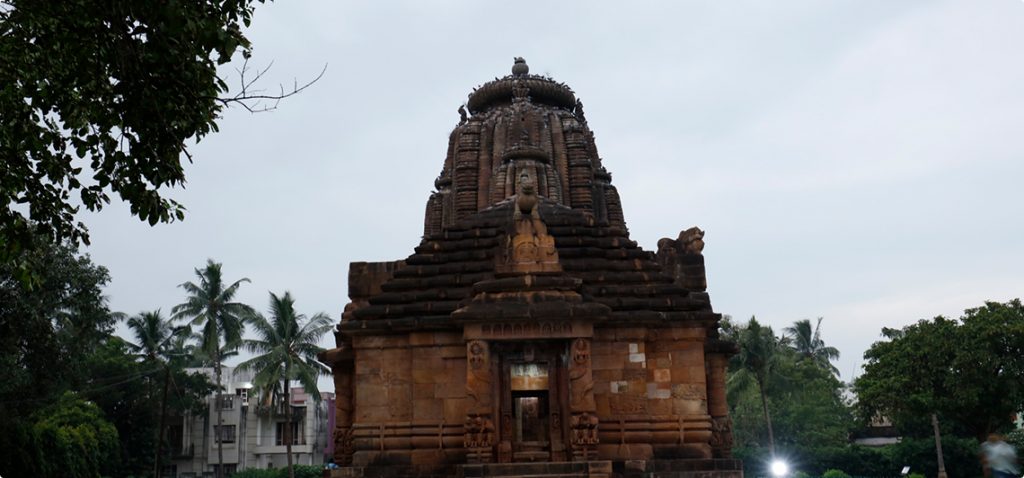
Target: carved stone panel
[[478, 377], [584, 421], [479, 425], [721, 437], [528, 330], [581, 378]]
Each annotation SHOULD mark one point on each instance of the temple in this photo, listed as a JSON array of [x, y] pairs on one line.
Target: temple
[[527, 334]]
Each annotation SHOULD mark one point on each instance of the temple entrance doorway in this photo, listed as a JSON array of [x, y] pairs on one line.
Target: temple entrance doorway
[[532, 403]]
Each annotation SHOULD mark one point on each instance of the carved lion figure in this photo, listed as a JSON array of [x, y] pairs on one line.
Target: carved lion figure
[[692, 240]]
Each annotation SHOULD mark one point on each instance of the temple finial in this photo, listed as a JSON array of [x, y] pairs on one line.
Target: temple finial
[[520, 68]]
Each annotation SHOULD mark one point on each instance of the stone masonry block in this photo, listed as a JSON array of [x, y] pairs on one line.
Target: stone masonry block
[[423, 390], [428, 409], [454, 410]]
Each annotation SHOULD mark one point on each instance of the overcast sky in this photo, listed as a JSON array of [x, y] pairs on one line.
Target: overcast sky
[[859, 161]]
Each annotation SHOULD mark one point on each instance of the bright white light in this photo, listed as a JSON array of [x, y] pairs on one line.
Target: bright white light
[[779, 468]]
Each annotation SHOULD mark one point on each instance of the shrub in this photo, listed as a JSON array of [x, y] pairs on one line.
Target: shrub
[[834, 473], [255, 473], [301, 471]]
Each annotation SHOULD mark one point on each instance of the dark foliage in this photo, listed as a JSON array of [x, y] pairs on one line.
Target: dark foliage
[[101, 98]]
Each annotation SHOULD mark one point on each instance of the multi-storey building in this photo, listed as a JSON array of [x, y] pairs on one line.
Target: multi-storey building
[[252, 430]]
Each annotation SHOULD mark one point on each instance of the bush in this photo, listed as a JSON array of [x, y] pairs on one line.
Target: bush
[[1016, 438], [256, 473], [960, 456], [308, 471], [834, 473], [301, 471]]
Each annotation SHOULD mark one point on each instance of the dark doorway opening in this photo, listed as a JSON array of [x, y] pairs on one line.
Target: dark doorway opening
[[532, 405], [531, 412]]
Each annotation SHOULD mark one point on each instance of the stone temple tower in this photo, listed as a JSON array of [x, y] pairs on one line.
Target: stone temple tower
[[527, 334]]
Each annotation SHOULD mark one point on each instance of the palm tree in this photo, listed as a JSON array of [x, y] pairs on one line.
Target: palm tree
[[157, 341], [806, 342], [286, 350], [209, 306], [757, 358]]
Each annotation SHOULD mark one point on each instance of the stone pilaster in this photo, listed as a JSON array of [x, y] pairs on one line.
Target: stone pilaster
[[341, 361], [583, 423], [716, 362], [479, 426]]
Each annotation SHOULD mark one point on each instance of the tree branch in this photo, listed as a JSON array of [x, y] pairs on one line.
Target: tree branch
[[252, 99]]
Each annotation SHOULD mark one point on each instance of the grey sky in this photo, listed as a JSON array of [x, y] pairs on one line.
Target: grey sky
[[856, 160]]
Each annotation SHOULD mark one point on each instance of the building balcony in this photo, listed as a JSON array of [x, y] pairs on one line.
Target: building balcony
[[280, 449], [278, 411], [187, 451]]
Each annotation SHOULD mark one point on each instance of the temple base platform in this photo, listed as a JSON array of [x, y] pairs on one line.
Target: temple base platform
[[658, 468]]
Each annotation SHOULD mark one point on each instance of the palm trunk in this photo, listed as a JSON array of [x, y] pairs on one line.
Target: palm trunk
[[938, 446], [220, 419], [767, 420], [163, 418], [288, 426]]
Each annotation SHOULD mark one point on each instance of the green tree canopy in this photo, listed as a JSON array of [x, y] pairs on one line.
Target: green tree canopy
[[804, 400], [103, 97], [756, 362], [210, 306], [286, 348], [968, 372], [47, 332], [806, 341], [56, 341], [158, 342], [71, 438]]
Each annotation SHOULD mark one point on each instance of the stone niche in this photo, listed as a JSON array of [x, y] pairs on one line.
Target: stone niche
[[527, 334]]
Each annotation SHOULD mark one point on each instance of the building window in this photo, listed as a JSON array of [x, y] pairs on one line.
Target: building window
[[224, 434], [176, 439], [226, 402], [298, 437], [229, 469]]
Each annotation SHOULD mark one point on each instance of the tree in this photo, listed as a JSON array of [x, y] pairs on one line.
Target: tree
[[969, 372], [46, 332], [287, 348], [209, 306], [910, 376], [156, 343], [756, 361], [809, 415], [102, 98], [989, 366], [72, 439], [806, 341], [125, 389]]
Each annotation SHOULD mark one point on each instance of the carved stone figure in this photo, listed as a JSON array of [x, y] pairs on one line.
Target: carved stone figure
[[584, 426], [581, 380], [526, 200], [692, 240], [479, 432], [721, 437], [683, 258]]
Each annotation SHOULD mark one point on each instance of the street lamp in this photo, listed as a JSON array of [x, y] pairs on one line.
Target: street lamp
[[779, 468]]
